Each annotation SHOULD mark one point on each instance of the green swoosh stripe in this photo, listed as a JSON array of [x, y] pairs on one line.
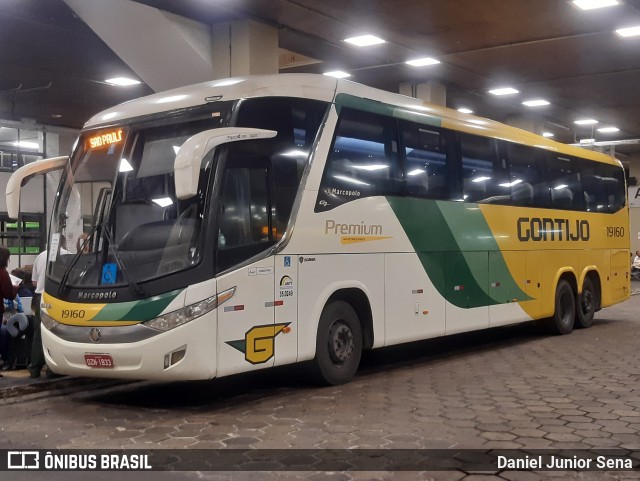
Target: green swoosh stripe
[[142, 310], [457, 250]]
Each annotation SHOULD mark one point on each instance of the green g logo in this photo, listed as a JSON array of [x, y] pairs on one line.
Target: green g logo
[[259, 342]]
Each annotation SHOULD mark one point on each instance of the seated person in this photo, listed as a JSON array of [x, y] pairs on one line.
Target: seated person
[[14, 322], [635, 267]]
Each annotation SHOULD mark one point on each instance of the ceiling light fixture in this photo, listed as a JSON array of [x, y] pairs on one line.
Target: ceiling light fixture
[[547, 134], [464, 110], [422, 62], [629, 31], [122, 81], [593, 4], [163, 201], [504, 91], [337, 74], [23, 144], [587, 141], [535, 103], [365, 40], [609, 130], [586, 122]]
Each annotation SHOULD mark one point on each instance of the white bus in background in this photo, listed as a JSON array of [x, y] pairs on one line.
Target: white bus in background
[[253, 222]]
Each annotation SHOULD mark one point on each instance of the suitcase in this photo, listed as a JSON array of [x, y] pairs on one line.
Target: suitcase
[[19, 352]]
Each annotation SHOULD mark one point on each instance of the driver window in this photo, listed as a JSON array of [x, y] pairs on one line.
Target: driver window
[[244, 225]]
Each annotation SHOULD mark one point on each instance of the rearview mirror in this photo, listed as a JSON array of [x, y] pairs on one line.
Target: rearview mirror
[[23, 175], [191, 153]]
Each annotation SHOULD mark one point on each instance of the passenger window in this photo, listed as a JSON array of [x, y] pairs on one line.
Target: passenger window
[[482, 178], [603, 187], [563, 173], [526, 177], [425, 168], [244, 225], [363, 161]]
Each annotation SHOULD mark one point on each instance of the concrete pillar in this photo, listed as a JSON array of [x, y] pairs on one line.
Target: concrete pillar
[[244, 47], [431, 92], [164, 50]]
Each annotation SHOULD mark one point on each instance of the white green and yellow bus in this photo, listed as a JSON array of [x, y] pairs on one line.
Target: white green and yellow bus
[[253, 222]]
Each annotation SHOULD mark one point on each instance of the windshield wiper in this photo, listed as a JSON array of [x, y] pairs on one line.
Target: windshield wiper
[[127, 275], [63, 288]]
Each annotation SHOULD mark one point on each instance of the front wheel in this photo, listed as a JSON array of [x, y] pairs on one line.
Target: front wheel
[[338, 344], [587, 303], [565, 310]]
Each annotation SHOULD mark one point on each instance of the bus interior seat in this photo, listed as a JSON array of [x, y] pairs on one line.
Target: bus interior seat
[[131, 214], [562, 198], [522, 194]]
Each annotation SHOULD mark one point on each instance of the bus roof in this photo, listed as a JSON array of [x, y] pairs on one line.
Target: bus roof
[[321, 87]]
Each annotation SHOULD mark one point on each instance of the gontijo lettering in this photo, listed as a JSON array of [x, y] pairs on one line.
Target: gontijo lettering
[[547, 229], [105, 139]]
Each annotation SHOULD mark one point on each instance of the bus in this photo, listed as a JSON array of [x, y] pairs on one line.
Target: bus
[[246, 223]]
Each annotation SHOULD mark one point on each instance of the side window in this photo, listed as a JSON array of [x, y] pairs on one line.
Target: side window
[[363, 161], [603, 187], [526, 176], [244, 224], [426, 154], [481, 174], [563, 173]]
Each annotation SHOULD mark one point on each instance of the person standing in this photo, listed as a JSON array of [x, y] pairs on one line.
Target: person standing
[[7, 290], [37, 353]]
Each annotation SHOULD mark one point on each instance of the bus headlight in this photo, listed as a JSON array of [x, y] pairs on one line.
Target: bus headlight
[[47, 321], [171, 320]]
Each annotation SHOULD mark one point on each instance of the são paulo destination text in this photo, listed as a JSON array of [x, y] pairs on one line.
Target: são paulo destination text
[[556, 462]]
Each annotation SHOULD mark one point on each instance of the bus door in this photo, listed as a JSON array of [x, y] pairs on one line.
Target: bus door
[[286, 309], [246, 331]]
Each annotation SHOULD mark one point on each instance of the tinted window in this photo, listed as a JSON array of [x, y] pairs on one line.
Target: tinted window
[[425, 168], [244, 225], [526, 177], [603, 187], [483, 179], [563, 173], [363, 161]]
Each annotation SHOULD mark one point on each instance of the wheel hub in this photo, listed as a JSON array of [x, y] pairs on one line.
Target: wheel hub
[[341, 342]]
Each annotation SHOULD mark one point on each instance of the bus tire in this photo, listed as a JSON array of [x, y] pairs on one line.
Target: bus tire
[[565, 310], [338, 344], [586, 304]]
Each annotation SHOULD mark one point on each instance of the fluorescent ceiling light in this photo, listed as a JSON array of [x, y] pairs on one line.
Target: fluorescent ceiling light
[[337, 74], [422, 62], [480, 179], [547, 134], [122, 81], [23, 144], [561, 186], [587, 141], [350, 180], [593, 4], [227, 82], [511, 184], [535, 103], [416, 172], [465, 110], [609, 130], [629, 32], [371, 167], [504, 91], [295, 153], [176, 149], [125, 166], [163, 201], [172, 98], [586, 122], [364, 40]]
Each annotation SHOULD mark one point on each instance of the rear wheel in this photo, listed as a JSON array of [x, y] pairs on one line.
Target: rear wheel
[[338, 344], [586, 304], [565, 311]]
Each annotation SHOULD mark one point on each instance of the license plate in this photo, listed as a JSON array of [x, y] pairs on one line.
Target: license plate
[[99, 361]]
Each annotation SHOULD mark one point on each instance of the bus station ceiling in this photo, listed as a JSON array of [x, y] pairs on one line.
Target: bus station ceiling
[[53, 66]]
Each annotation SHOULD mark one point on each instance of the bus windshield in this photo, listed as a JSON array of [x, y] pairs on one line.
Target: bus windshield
[[117, 220]]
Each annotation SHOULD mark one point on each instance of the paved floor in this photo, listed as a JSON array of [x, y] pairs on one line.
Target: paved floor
[[502, 388]]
